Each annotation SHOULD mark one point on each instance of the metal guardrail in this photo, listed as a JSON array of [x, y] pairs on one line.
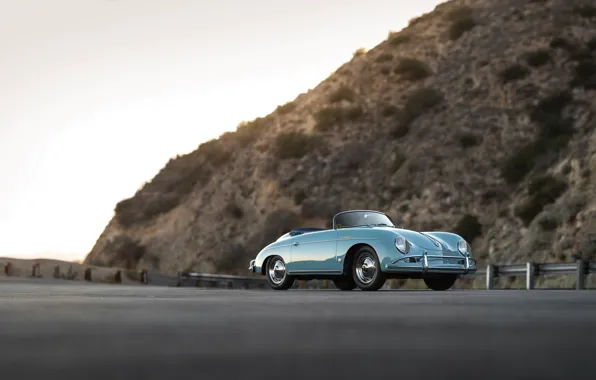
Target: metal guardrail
[[532, 270], [216, 280]]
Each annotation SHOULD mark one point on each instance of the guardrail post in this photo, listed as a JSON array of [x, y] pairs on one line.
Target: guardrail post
[[144, 277], [8, 269], [529, 276], [490, 276], [580, 275], [179, 280]]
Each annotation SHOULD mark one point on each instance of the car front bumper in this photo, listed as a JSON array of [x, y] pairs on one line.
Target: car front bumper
[[434, 263]]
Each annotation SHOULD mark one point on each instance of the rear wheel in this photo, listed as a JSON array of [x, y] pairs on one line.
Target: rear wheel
[[345, 283], [366, 270], [444, 282], [277, 275]]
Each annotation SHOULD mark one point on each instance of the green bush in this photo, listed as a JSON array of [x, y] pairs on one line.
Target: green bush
[[234, 210], [299, 197], [293, 145], [384, 58], [286, 108], [585, 75], [537, 58], [326, 118], [460, 13], [419, 102], [412, 69], [400, 131], [389, 111], [585, 10], [342, 93], [359, 52], [561, 43], [248, 132], [468, 227], [398, 39], [553, 134], [468, 140], [214, 152], [462, 20], [353, 113], [542, 190], [140, 208], [513, 73], [552, 104]]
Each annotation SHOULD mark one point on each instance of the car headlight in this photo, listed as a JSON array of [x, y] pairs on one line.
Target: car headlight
[[463, 247], [402, 244]]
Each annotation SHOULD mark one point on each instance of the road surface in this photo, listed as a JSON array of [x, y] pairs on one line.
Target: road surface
[[80, 331]]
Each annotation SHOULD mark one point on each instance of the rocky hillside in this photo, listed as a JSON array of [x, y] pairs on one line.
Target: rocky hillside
[[477, 118]]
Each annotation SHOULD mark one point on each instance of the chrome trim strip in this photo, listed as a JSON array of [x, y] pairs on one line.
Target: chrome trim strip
[[433, 257], [317, 271], [430, 269], [425, 261]]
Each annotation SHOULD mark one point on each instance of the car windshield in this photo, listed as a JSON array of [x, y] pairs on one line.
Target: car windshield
[[362, 218]]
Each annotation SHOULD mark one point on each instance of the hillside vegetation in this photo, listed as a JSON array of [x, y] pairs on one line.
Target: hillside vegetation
[[477, 118]]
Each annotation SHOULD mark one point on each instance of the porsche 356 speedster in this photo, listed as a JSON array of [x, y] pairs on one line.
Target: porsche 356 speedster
[[362, 250]]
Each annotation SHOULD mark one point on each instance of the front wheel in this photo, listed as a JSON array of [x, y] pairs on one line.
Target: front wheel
[[442, 283], [366, 270], [277, 275]]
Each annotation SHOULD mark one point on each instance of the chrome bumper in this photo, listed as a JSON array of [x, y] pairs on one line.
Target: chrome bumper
[[468, 265], [251, 266]]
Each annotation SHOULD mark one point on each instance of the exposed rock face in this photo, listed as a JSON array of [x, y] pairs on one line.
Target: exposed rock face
[[477, 118]]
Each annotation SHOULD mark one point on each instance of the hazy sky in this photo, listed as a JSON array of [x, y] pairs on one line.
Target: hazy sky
[[97, 95]]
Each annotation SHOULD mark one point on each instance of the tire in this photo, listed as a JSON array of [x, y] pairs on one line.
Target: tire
[[442, 283], [345, 283], [276, 274], [366, 270]]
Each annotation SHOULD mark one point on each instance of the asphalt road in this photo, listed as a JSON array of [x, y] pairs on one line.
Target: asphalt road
[[106, 332]]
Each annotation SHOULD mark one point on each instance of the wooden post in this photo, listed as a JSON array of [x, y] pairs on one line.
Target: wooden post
[[57, 271], [36, 270], [8, 269]]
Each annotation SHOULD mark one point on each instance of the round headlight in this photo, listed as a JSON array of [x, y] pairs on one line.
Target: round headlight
[[463, 247], [402, 244]]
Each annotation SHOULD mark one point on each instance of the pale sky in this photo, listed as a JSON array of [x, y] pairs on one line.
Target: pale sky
[[97, 95]]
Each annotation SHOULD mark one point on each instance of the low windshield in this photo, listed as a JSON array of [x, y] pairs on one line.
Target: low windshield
[[361, 218]]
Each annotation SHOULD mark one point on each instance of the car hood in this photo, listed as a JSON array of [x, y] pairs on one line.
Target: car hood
[[421, 240]]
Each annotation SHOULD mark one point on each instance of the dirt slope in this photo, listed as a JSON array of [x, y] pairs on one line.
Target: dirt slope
[[477, 118]]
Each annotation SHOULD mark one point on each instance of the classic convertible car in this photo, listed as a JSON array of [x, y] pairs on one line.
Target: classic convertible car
[[364, 249]]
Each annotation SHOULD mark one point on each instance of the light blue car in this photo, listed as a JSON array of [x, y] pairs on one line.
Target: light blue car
[[362, 250]]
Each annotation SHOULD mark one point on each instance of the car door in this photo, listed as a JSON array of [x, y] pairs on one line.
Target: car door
[[315, 252]]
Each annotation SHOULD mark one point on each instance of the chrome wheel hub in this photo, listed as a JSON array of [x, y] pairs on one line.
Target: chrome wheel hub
[[277, 272], [366, 269]]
